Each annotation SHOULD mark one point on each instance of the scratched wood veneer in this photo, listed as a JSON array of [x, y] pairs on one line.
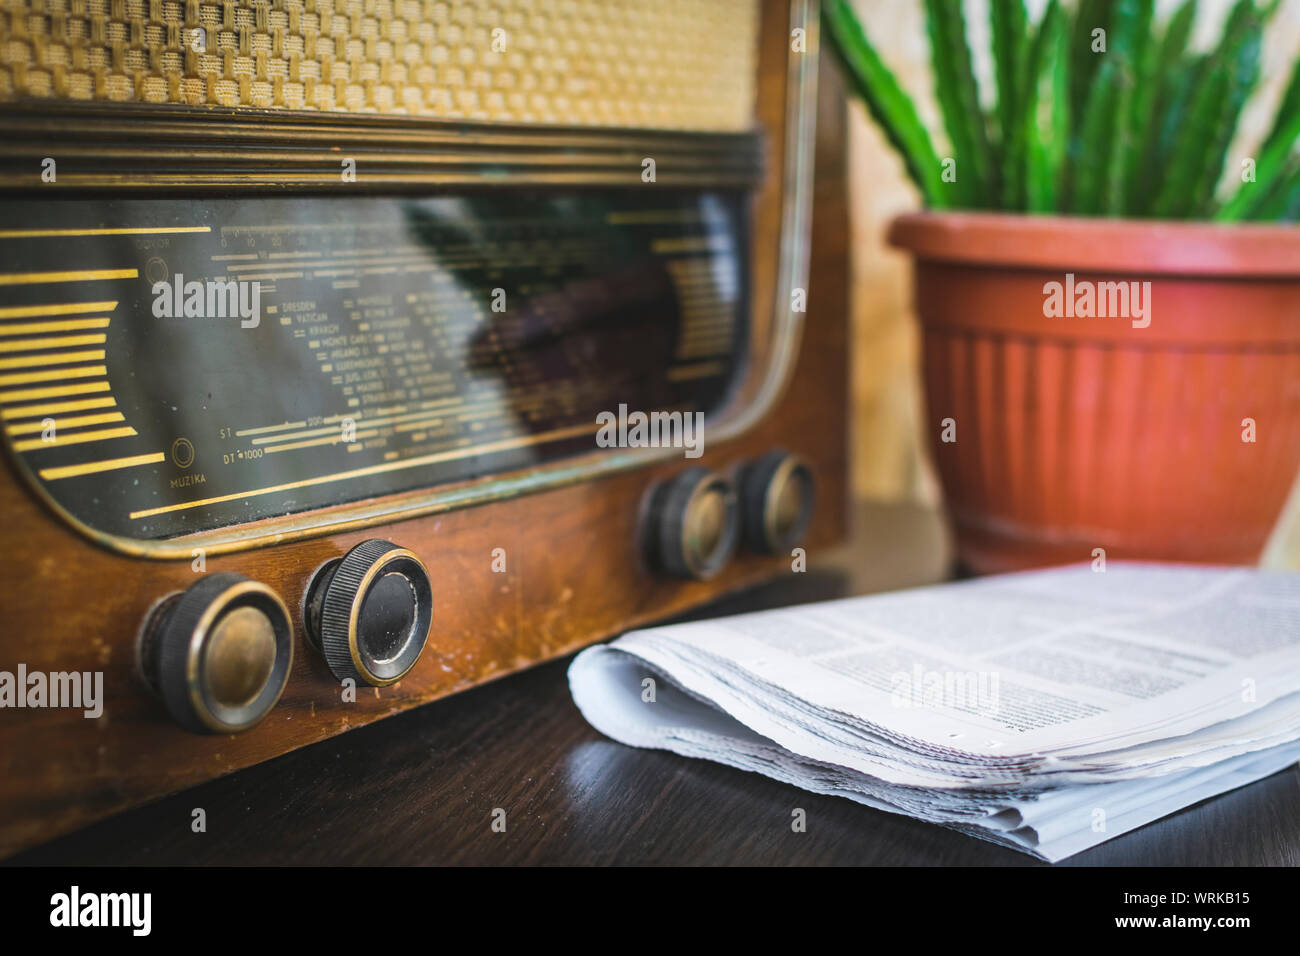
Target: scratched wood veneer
[[575, 571]]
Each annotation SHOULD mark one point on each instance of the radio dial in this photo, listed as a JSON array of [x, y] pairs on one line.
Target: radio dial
[[369, 612], [219, 653], [693, 524], [776, 502]]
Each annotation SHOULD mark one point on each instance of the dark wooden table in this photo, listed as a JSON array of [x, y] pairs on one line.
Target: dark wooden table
[[421, 788]]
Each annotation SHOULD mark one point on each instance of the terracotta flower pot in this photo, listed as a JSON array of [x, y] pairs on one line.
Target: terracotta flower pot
[[1171, 435]]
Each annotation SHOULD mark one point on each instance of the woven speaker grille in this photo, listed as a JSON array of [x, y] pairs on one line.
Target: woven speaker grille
[[669, 64]]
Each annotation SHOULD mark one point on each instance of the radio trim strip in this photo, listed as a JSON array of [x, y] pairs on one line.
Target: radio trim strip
[[142, 147]]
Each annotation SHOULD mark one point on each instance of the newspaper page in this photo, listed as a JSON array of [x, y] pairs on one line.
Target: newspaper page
[[1006, 704]]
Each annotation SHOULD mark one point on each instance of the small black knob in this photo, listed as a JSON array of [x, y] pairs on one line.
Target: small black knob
[[369, 612], [693, 525], [776, 501], [218, 654]]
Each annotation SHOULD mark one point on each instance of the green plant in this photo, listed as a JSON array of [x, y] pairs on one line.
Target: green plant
[[1128, 122]]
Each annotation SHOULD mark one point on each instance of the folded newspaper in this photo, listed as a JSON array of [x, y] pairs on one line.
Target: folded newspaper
[[1048, 711]]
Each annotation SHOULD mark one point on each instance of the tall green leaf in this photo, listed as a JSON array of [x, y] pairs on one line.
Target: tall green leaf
[[1046, 108], [1168, 70], [958, 96], [1287, 108], [1243, 73], [1271, 169], [891, 108], [1095, 140], [1085, 61], [1009, 27], [1172, 125], [1089, 44], [1290, 211], [1100, 136], [1131, 21], [1144, 84], [1232, 66], [1280, 196], [1187, 159]]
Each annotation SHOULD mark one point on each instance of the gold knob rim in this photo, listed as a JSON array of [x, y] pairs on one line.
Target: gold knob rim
[[221, 716], [384, 672], [787, 504], [694, 524]]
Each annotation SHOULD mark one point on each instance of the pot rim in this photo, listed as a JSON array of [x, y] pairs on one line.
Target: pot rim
[[1118, 246]]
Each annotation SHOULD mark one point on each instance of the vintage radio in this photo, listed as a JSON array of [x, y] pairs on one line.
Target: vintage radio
[[355, 352]]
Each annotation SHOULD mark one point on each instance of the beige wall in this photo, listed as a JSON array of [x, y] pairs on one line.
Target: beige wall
[[890, 461]]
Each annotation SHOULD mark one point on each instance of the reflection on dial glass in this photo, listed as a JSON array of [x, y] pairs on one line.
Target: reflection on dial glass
[[174, 366]]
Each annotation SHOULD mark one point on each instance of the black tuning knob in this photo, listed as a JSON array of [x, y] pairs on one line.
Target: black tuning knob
[[218, 654], [693, 526], [776, 495], [369, 612]]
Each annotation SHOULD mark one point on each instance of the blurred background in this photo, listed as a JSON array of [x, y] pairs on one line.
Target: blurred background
[[890, 460]]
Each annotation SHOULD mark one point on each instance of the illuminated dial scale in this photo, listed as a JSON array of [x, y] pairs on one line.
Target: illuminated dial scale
[[175, 366]]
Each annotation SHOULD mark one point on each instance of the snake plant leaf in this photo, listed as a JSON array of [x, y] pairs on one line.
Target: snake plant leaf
[[1144, 84], [1096, 135], [1046, 109], [1131, 21], [1185, 170], [1192, 149], [1287, 108], [1099, 150], [1141, 127], [1085, 61], [1244, 72], [1290, 211], [1166, 71], [1009, 28], [1248, 201], [1281, 199], [889, 106], [1093, 44], [958, 95], [1172, 126]]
